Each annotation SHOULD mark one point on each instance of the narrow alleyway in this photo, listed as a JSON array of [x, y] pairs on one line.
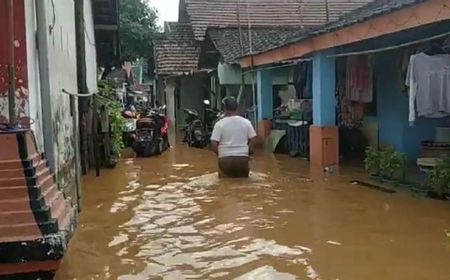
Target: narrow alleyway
[[169, 217]]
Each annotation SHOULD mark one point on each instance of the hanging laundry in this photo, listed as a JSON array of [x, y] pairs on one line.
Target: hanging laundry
[[428, 80], [350, 114], [303, 79], [359, 79], [406, 55]]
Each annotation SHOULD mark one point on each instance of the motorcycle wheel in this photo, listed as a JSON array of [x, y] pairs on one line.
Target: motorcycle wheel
[[146, 149]]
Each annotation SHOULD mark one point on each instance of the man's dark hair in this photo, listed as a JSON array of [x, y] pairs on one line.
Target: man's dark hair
[[230, 104]]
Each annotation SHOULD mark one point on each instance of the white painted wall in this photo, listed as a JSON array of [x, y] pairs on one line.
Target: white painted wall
[[58, 72], [33, 73], [232, 75], [91, 53], [170, 101]]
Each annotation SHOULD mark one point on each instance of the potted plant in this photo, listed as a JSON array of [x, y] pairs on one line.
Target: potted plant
[[372, 161]]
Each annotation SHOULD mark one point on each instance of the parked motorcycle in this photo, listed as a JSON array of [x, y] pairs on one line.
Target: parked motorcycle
[[129, 128], [212, 117], [194, 133], [152, 133]]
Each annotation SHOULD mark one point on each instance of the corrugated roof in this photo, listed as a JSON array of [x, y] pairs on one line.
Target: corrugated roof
[[227, 40], [371, 10], [300, 13]]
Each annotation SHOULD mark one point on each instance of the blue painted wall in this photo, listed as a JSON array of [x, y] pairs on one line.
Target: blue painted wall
[[264, 94], [393, 109], [324, 85]]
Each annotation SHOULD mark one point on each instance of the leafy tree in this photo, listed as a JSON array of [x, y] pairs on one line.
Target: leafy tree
[[138, 27]]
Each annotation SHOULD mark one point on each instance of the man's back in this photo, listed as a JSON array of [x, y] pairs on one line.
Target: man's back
[[233, 134]]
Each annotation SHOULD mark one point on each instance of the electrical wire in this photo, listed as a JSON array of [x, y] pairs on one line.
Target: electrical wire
[[280, 66]]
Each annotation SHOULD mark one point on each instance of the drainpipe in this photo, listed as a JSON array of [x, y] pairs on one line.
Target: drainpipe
[[11, 66]]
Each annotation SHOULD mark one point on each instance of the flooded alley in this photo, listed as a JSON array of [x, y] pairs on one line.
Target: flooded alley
[[170, 217]]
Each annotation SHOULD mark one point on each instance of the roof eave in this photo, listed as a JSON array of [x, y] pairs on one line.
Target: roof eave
[[425, 12]]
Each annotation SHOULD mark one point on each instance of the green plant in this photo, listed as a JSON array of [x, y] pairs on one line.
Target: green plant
[[107, 96], [138, 26], [372, 160], [439, 177], [398, 166], [386, 162]]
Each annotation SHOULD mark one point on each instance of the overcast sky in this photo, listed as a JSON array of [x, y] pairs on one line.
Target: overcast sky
[[168, 10]]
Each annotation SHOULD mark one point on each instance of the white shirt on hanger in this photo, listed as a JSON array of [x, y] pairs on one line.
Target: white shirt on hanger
[[428, 80]]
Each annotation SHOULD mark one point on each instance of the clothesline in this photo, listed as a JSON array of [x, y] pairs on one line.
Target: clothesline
[[415, 42], [279, 66]]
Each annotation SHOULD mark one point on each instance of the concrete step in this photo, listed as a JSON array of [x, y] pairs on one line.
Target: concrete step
[[31, 205], [21, 181], [24, 217], [24, 192], [28, 229], [27, 172], [19, 163]]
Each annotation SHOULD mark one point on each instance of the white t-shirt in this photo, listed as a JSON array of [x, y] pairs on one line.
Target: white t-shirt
[[233, 134]]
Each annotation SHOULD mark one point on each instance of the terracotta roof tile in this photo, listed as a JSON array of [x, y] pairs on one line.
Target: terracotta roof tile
[[300, 13], [372, 9], [176, 57], [227, 40]]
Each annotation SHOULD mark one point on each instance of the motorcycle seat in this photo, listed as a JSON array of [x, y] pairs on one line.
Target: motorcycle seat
[[191, 112]]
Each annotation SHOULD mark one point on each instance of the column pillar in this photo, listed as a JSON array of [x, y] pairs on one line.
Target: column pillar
[[170, 101], [324, 134], [264, 97]]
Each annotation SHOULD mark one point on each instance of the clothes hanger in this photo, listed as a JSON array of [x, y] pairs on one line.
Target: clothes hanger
[[434, 49]]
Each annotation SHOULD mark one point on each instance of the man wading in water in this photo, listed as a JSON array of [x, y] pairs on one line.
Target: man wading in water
[[232, 140]]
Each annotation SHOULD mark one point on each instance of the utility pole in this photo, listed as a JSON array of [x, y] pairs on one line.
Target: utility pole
[[80, 120], [83, 102]]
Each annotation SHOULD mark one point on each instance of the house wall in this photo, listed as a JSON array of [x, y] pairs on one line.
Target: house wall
[[393, 109], [232, 75], [191, 96], [33, 73], [91, 52], [21, 94], [57, 51], [169, 91]]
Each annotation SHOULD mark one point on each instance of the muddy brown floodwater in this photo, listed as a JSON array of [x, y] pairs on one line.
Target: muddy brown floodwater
[[170, 217]]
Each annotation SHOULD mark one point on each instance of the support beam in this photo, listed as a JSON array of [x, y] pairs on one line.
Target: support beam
[[324, 83], [264, 97], [264, 94], [324, 135], [170, 100]]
